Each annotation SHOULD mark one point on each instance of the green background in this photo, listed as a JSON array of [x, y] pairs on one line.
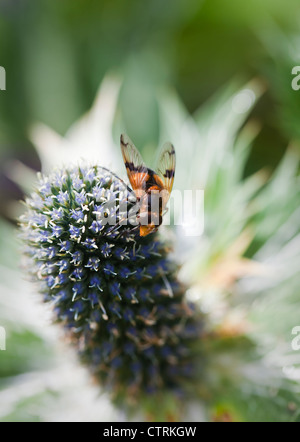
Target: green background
[[56, 53]]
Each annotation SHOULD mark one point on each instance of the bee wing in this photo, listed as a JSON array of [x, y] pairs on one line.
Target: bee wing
[[135, 166], [166, 167]]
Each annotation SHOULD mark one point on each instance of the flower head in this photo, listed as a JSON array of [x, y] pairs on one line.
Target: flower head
[[109, 287]]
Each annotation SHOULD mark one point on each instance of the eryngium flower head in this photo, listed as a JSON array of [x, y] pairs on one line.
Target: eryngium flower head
[[115, 293]]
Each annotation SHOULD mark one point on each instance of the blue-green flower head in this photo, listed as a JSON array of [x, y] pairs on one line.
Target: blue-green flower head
[[115, 293]]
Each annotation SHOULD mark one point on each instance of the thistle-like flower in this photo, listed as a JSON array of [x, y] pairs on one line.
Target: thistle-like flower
[[115, 293], [246, 253]]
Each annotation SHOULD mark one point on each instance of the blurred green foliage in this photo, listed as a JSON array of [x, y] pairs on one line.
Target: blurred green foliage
[[56, 53]]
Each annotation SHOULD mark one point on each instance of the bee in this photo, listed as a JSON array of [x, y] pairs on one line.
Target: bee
[[152, 189]]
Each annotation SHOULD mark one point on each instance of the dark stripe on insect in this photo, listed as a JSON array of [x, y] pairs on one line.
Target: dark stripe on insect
[[155, 218], [134, 168], [151, 180], [155, 201], [169, 173]]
